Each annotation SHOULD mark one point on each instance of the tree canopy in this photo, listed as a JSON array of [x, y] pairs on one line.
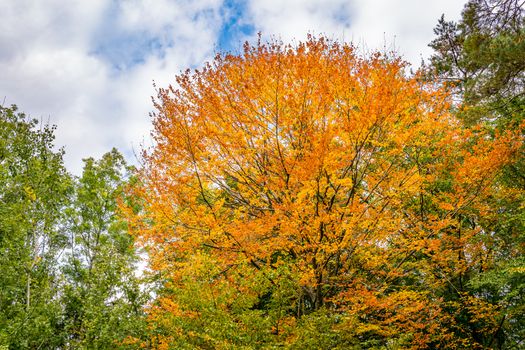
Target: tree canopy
[[296, 196], [67, 261], [482, 55], [307, 197]]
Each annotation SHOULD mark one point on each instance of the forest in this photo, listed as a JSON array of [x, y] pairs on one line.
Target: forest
[[302, 196]]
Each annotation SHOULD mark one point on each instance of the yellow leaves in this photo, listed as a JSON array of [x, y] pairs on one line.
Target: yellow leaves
[[446, 206], [346, 182], [317, 161], [364, 328], [30, 192], [393, 314], [517, 269], [481, 311], [306, 193]]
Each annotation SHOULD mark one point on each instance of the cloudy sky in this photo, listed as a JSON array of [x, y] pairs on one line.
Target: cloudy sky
[[88, 65]]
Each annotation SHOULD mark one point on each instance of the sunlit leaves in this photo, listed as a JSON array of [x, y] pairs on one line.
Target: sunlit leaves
[[317, 184]]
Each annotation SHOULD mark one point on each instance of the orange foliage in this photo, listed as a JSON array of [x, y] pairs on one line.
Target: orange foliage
[[353, 175]]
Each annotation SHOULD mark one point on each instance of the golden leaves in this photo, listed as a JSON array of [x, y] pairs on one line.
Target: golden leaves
[[350, 174]]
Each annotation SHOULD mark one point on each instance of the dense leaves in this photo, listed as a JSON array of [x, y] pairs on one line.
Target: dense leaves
[[101, 297], [307, 197], [66, 258], [483, 55], [301, 197], [34, 189]]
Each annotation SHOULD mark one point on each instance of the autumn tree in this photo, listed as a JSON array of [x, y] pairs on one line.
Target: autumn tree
[[481, 56], [307, 197]]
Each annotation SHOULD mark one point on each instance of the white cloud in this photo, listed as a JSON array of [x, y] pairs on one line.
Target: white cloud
[[406, 25], [51, 70], [293, 19], [87, 64], [192, 28], [27, 25]]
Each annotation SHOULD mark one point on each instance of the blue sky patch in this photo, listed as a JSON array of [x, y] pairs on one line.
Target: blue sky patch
[[235, 27], [126, 50], [123, 48]]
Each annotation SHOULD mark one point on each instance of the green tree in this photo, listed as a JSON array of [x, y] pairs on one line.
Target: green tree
[[34, 187], [482, 56], [102, 296], [67, 261]]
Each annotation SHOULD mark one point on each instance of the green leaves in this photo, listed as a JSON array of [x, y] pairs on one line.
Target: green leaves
[[482, 56], [103, 298], [34, 189], [68, 264]]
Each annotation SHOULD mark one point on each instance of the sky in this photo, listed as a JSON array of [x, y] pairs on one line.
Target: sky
[[88, 66]]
